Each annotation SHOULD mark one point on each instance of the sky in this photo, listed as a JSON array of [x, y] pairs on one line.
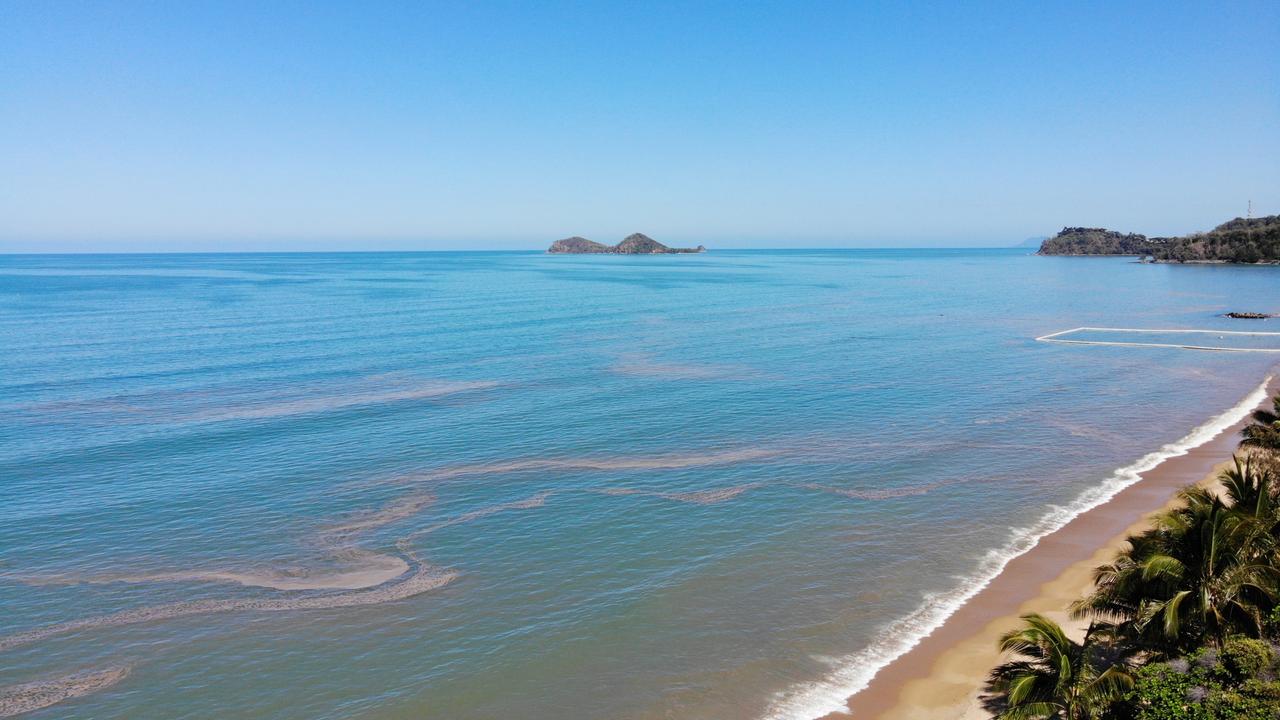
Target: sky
[[188, 126]]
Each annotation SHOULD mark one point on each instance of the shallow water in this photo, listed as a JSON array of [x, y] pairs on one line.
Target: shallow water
[[477, 485]]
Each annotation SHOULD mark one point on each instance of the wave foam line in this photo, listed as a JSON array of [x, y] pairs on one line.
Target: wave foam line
[[423, 579], [28, 697], [811, 700]]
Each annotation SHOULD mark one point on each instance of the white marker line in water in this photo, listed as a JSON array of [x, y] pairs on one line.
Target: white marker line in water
[[818, 698], [1054, 338]]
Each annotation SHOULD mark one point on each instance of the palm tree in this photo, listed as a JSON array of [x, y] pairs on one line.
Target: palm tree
[[1055, 678], [1252, 487], [1204, 572], [1264, 432]]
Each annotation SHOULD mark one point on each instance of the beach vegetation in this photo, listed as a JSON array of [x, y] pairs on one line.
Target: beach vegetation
[[1184, 622], [1264, 432], [1053, 676]]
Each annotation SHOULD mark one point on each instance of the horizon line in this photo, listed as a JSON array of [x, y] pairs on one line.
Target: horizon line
[[4, 253]]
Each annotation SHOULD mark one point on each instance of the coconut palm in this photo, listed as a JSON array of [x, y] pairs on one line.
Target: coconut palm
[[1264, 432], [1251, 486], [1204, 572], [1055, 677]]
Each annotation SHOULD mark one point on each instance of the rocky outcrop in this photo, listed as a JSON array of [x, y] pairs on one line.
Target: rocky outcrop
[[634, 244], [577, 244], [1248, 315], [1095, 241], [1253, 240]]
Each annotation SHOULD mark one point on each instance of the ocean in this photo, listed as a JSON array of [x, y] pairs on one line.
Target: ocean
[[517, 485]]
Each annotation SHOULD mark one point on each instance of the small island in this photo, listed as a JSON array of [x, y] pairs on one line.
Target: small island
[[634, 244], [1253, 240]]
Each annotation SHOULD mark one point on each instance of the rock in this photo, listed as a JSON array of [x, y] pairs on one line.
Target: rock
[[1095, 241], [634, 244], [577, 244], [1243, 240], [1248, 315]]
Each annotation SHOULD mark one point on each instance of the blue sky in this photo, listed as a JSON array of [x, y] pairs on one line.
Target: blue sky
[[231, 126]]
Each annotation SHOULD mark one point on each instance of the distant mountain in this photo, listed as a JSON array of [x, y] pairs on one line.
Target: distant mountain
[[1255, 240], [1033, 242], [634, 244]]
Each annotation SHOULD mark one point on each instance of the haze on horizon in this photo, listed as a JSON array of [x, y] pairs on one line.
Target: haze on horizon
[[229, 126]]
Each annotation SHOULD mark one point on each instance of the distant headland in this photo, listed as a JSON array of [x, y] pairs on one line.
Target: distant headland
[[1254, 240], [634, 244]]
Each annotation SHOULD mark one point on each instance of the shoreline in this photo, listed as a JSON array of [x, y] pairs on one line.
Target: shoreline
[[941, 676]]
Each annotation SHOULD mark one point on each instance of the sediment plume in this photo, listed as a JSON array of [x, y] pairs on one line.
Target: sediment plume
[[885, 494], [28, 697], [537, 500], [360, 568], [339, 402], [656, 462], [697, 497], [420, 581]]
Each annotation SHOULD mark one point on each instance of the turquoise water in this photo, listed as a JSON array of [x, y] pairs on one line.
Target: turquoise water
[[482, 485]]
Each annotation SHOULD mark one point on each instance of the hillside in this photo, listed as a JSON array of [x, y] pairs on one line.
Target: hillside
[[1095, 241], [1236, 241]]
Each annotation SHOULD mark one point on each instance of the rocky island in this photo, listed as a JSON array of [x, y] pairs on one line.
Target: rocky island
[[1252, 240], [634, 244]]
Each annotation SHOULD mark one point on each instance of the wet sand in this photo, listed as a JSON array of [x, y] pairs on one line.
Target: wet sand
[[942, 677]]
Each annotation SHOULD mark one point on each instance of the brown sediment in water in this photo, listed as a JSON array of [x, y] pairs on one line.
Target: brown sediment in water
[[28, 697], [537, 500], [654, 462], [423, 579], [885, 494], [261, 408], [643, 365], [304, 406], [697, 497], [358, 568], [942, 677]]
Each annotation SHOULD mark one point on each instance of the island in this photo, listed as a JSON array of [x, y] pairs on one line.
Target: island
[[1252, 240], [634, 244]]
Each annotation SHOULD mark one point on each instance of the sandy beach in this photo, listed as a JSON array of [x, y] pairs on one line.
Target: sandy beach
[[942, 677]]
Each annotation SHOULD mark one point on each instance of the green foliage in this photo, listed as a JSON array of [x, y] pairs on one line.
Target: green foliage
[[1237, 241], [1055, 677], [1246, 658], [1232, 685], [1264, 432], [1182, 621], [1204, 572]]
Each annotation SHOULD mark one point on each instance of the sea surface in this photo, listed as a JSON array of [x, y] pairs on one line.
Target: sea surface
[[516, 485]]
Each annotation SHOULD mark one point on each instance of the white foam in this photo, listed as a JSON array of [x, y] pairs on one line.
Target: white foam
[[854, 672]]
